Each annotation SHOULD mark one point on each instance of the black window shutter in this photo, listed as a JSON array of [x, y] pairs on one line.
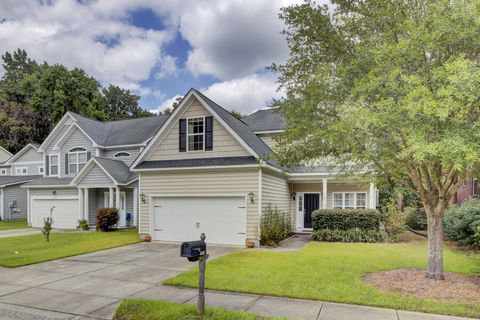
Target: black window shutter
[[88, 155], [47, 165], [209, 133], [66, 163], [182, 146]]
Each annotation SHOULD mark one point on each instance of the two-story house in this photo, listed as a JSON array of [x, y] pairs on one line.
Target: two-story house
[[87, 167], [26, 165]]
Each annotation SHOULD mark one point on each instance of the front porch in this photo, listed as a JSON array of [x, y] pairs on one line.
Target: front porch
[[329, 193], [123, 198]]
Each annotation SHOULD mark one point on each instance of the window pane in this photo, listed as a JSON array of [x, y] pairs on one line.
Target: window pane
[[195, 125], [361, 200], [195, 142], [300, 203], [53, 159], [338, 200], [82, 157], [54, 170], [80, 166], [72, 168], [72, 158], [349, 200]]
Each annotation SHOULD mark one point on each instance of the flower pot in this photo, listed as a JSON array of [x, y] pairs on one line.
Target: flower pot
[[250, 244], [147, 238]]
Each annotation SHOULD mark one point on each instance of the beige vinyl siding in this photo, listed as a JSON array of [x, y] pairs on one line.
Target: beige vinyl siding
[[224, 144], [201, 182], [30, 155], [76, 139], [268, 139], [95, 176], [275, 191], [333, 186], [4, 156]]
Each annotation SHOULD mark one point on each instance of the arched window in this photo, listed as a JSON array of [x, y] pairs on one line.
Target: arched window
[[122, 154], [77, 158]]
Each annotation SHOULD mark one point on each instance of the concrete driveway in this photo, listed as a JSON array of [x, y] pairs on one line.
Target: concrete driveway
[[90, 286]]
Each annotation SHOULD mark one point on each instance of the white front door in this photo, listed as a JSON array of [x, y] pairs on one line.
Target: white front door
[[222, 219]]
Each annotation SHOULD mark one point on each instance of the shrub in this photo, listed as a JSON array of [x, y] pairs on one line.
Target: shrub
[[415, 218], [346, 219], [275, 226], [393, 221], [461, 222], [83, 224], [47, 227], [107, 218], [353, 235]]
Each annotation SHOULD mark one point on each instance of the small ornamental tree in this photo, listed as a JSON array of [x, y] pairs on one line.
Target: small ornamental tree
[[393, 84], [47, 225]]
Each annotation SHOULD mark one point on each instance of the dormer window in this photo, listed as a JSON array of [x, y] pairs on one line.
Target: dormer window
[[77, 158], [196, 132], [122, 155]]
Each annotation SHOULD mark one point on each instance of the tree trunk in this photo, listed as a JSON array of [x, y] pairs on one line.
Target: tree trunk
[[435, 245]]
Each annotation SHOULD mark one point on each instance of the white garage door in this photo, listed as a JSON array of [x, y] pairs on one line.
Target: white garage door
[[222, 219], [65, 212]]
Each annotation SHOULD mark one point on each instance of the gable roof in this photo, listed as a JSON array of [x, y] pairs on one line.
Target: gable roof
[[265, 120], [6, 151], [121, 132], [240, 131], [22, 151], [116, 170], [12, 180]]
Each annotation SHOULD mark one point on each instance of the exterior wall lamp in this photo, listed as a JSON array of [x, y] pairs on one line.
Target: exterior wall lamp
[[54, 192], [251, 195], [293, 195], [143, 197]]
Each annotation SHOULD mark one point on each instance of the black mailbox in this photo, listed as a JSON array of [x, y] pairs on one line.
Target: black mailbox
[[193, 250]]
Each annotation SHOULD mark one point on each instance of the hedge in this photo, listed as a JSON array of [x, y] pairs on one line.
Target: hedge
[[346, 219], [354, 235]]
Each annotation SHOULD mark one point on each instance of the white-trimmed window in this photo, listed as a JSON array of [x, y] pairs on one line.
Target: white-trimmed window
[[121, 155], [53, 165], [196, 134], [41, 169], [21, 171], [3, 172], [349, 200], [77, 158]]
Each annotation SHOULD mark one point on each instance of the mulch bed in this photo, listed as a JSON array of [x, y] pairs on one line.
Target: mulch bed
[[455, 288]]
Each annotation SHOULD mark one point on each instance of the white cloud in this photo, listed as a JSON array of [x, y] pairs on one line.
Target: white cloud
[[246, 94], [233, 39], [166, 104], [168, 67]]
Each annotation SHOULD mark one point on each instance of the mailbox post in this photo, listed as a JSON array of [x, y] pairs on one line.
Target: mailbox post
[[197, 251]]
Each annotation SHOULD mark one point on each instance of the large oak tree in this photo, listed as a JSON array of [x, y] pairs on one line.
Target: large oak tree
[[395, 84]]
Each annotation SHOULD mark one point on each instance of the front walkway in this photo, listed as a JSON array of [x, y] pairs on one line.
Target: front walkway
[[91, 286]]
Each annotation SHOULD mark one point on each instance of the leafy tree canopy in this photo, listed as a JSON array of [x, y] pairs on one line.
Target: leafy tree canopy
[[390, 83]]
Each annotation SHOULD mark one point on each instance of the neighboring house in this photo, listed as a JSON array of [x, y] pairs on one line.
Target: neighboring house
[[26, 162], [86, 168], [207, 171], [4, 156], [469, 190]]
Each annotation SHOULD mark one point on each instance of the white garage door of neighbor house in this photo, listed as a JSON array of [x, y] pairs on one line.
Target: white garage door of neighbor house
[[222, 219], [64, 214]]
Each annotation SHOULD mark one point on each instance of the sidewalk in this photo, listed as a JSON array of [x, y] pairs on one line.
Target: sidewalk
[[18, 232], [292, 308]]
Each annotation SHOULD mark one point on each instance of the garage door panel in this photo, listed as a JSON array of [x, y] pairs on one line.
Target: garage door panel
[[222, 219], [64, 214]]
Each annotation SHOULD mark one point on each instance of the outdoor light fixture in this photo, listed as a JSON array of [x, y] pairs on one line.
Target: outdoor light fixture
[[54, 192], [143, 197], [293, 195], [251, 195]]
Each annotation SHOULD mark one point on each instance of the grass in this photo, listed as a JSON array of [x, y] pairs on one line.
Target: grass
[[13, 224], [332, 272], [25, 250], [134, 309]]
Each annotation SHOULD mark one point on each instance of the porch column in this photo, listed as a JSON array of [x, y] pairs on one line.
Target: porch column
[[135, 205], [117, 198], [110, 197], [86, 205], [324, 193], [81, 203], [373, 196]]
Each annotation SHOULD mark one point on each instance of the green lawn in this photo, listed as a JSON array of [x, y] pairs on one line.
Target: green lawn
[[134, 309], [20, 251], [332, 272], [13, 224]]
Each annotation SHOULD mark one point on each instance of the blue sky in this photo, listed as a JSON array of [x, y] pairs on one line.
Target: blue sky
[[158, 49]]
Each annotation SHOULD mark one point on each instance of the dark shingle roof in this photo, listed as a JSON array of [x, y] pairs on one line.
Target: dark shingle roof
[[200, 162], [117, 169], [9, 180], [265, 120], [122, 132], [241, 128], [49, 181]]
